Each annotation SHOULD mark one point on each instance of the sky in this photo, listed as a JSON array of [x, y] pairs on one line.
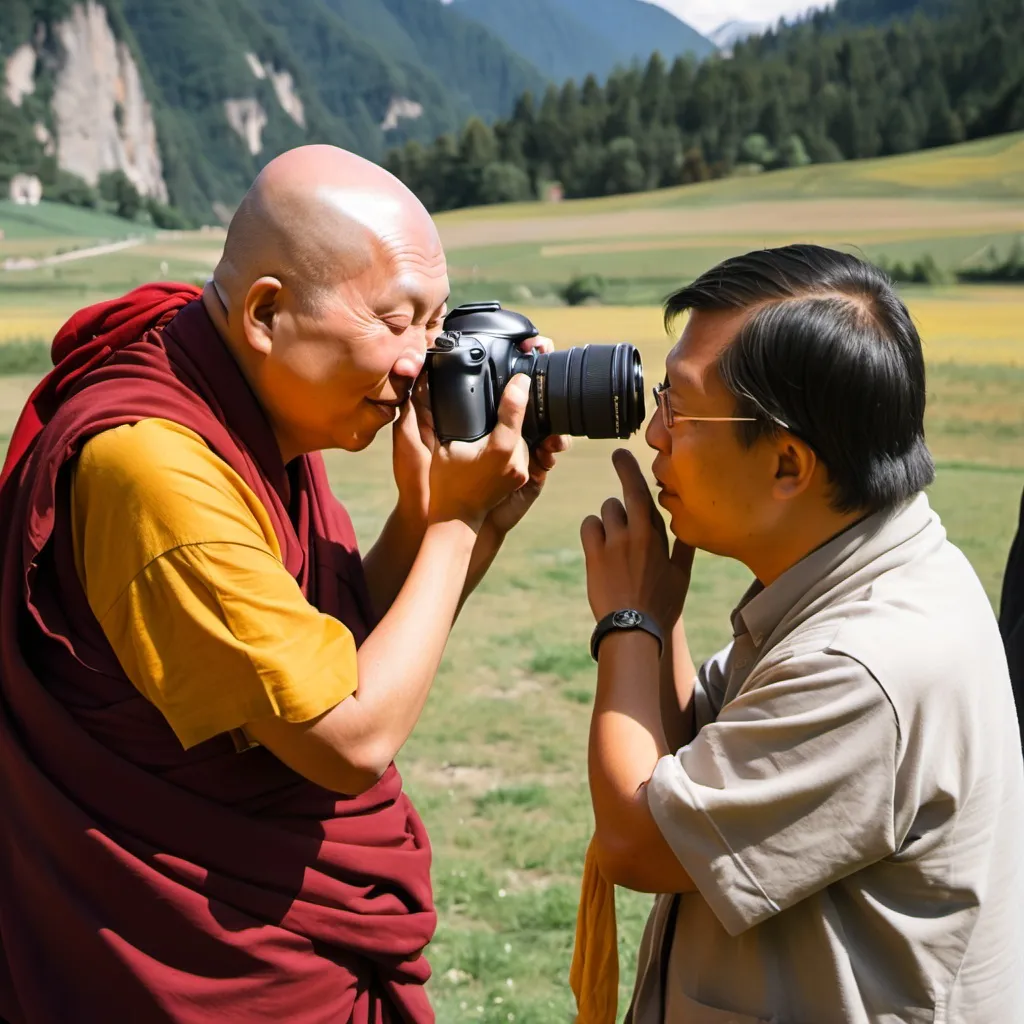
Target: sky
[[706, 15]]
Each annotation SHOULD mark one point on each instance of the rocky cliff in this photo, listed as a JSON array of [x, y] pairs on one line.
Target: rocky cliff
[[103, 120], [188, 99], [100, 118]]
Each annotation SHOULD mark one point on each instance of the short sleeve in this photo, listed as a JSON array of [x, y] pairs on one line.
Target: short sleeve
[[217, 635], [787, 791], [709, 688], [182, 570]]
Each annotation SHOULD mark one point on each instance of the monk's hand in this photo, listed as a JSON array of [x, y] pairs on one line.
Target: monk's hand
[[627, 553], [470, 478], [506, 515], [412, 447]]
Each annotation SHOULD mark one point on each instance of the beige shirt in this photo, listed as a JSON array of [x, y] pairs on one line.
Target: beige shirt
[[852, 808]]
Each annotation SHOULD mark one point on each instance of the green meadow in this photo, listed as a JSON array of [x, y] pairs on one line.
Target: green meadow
[[955, 204], [497, 765]]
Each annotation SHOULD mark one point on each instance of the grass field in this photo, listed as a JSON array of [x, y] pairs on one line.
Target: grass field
[[953, 203], [497, 765]]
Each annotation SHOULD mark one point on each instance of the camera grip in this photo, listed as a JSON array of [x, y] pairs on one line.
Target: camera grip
[[461, 396]]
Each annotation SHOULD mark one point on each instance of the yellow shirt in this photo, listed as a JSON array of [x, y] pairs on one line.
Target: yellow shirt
[[182, 569]]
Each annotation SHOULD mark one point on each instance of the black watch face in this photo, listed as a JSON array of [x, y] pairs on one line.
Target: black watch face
[[627, 619]]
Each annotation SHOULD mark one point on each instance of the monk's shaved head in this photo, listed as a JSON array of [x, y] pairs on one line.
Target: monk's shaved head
[[330, 289], [315, 217]]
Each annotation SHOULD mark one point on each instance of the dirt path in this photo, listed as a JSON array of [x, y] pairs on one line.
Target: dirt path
[[761, 217], [14, 263]]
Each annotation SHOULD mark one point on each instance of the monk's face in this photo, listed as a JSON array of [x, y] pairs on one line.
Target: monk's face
[[339, 370]]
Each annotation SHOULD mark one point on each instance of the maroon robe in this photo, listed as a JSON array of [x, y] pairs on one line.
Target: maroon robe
[[140, 882]]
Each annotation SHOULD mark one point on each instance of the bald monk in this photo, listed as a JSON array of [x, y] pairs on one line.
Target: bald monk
[[203, 684]]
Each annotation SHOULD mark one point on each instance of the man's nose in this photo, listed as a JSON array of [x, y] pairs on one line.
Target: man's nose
[[656, 435]]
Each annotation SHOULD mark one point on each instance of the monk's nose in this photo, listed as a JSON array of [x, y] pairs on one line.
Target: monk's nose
[[409, 364]]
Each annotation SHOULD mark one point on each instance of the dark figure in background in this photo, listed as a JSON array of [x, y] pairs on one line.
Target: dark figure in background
[[1011, 617]]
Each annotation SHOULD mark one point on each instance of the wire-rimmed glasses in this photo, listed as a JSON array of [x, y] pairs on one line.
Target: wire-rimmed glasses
[[670, 416]]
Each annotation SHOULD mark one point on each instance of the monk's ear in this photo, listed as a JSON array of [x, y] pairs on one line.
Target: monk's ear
[[260, 314]]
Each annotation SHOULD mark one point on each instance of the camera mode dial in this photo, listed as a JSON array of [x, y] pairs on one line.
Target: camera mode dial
[[447, 341]]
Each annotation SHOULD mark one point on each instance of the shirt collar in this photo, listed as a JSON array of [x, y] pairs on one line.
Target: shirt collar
[[762, 608]]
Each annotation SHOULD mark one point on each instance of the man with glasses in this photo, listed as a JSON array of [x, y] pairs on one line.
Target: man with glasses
[[832, 808]]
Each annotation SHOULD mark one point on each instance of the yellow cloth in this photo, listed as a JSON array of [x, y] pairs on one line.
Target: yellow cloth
[[594, 974], [181, 566]]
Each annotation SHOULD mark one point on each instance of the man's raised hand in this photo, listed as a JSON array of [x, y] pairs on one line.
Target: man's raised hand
[[627, 553]]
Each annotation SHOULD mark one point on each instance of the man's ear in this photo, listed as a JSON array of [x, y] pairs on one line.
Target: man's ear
[[259, 314], [795, 466]]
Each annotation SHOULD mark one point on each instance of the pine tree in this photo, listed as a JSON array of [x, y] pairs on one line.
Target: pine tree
[[477, 147], [623, 171], [900, 133], [655, 106]]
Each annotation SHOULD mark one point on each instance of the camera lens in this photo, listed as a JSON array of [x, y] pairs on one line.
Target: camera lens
[[590, 391]]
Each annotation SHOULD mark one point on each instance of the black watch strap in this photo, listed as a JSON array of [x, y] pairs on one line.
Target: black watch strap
[[625, 619]]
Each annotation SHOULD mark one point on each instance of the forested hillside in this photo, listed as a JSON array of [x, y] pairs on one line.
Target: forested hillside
[[808, 93], [878, 12]]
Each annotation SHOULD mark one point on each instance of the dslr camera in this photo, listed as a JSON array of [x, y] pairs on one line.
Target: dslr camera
[[586, 391]]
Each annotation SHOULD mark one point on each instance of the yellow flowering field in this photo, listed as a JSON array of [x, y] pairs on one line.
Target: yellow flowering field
[[980, 326], [29, 322]]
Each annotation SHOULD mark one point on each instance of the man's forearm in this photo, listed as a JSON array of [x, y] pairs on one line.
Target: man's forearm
[[678, 675], [626, 743], [626, 734]]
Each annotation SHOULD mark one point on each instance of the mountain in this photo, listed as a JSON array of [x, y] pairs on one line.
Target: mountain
[[731, 32], [843, 14], [573, 38], [188, 99]]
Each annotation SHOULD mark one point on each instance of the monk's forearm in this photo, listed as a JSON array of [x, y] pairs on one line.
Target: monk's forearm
[[488, 544], [349, 747], [398, 660], [388, 563]]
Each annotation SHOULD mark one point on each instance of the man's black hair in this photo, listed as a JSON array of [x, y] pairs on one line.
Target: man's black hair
[[829, 350]]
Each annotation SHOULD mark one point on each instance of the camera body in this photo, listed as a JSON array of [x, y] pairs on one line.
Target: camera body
[[585, 391], [471, 362]]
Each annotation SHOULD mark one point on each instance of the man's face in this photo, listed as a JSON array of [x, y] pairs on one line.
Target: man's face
[[339, 373], [716, 489]]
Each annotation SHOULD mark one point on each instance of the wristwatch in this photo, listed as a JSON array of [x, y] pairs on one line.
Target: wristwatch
[[627, 619]]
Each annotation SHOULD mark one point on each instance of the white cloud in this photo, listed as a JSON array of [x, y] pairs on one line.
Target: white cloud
[[707, 15]]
